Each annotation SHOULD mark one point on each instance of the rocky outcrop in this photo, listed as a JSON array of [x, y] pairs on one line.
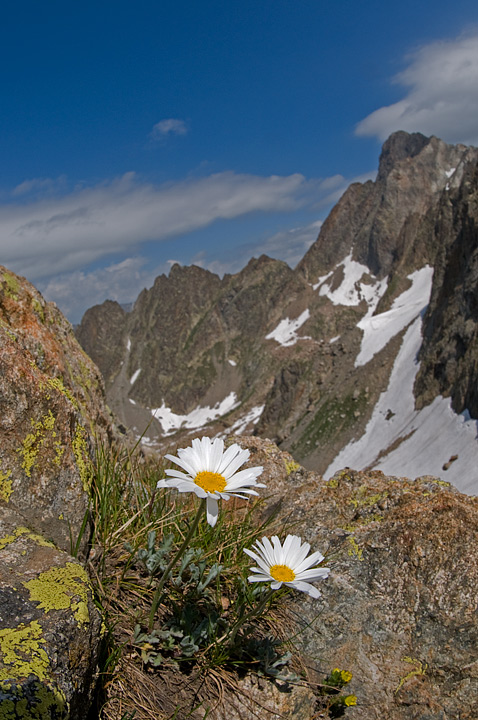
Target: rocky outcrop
[[399, 609], [51, 410]]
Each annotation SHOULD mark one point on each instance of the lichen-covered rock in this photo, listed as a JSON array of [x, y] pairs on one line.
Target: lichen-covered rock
[[51, 407], [51, 410], [49, 628], [399, 609]]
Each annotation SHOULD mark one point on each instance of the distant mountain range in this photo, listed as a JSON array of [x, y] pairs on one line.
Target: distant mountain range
[[365, 355]]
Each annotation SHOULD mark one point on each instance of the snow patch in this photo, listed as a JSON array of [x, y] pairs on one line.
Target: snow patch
[[128, 344], [171, 421], [424, 440], [252, 417], [450, 172], [134, 376], [334, 339], [232, 362], [351, 291], [286, 331], [379, 329], [132, 401]]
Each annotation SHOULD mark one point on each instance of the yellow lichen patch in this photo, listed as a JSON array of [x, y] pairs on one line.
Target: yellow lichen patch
[[37, 306], [361, 498], [354, 548], [35, 440], [21, 652], [12, 285], [36, 700], [291, 466], [80, 451], [57, 384], [62, 588], [7, 539], [419, 669], [5, 486]]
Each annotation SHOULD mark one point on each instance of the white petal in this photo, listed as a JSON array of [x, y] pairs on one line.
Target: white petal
[[313, 574], [268, 551], [256, 578], [212, 510], [192, 488], [300, 554], [243, 477], [184, 463], [305, 587], [178, 474], [234, 462], [278, 551], [313, 559], [228, 458]]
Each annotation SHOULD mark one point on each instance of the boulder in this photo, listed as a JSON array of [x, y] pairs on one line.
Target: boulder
[[51, 411], [399, 609]]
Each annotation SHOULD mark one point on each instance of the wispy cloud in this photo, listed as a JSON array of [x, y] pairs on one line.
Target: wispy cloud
[[63, 234], [55, 241], [169, 126], [39, 186], [442, 96]]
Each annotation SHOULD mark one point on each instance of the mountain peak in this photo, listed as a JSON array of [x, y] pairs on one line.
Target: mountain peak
[[397, 147]]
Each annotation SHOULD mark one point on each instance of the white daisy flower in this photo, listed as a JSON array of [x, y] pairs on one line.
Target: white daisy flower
[[286, 564], [211, 473]]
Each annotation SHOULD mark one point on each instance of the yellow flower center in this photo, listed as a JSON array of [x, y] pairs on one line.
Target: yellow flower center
[[210, 481], [282, 573]]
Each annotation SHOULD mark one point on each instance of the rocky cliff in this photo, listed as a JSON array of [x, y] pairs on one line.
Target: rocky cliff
[[322, 359], [51, 411]]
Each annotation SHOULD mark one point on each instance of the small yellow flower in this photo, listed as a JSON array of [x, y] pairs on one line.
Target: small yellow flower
[[350, 700]]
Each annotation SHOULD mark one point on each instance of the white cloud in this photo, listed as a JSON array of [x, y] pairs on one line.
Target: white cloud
[[169, 126], [442, 97], [42, 186], [63, 234]]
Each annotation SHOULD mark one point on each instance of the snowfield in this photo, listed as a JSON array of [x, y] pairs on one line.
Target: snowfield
[[423, 440]]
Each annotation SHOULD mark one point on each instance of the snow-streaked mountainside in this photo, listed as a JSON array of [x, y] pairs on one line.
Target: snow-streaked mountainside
[[365, 355]]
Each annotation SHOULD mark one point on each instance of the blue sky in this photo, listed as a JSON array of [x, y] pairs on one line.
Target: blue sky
[[135, 134]]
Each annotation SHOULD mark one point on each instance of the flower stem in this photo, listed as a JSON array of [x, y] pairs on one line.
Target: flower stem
[[159, 590], [230, 636]]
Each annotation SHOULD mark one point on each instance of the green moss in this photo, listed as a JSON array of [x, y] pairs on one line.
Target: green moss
[[5, 486], [61, 588], [34, 441]]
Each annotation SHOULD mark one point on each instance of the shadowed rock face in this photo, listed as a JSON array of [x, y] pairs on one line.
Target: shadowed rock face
[[449, 354], [51, 410]]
